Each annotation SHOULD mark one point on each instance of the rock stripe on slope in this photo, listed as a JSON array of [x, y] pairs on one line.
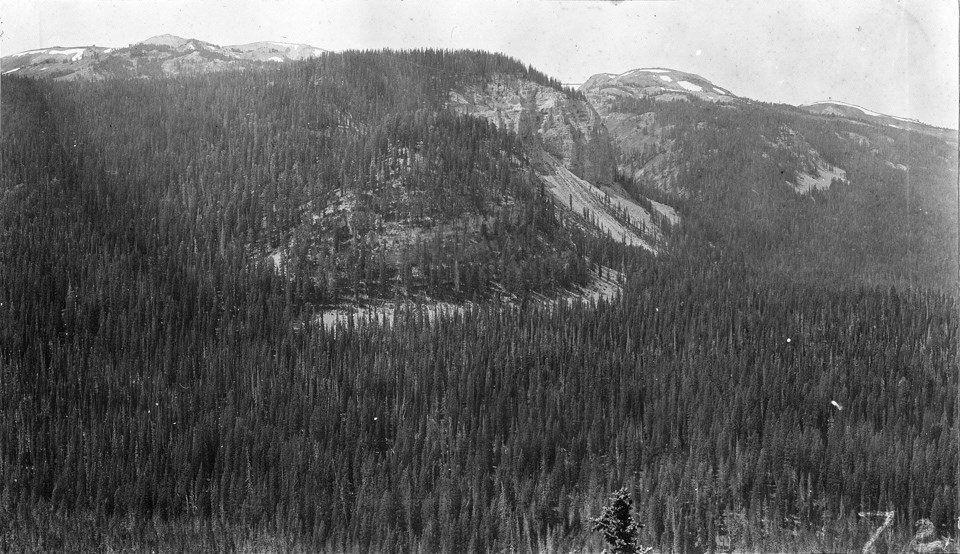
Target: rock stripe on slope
[[573, 192]]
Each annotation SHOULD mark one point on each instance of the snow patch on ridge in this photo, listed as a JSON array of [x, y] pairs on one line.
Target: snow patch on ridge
[[690, 86], [666, 78], [866, 111], [862, 110], [644, 70], [77, 53]]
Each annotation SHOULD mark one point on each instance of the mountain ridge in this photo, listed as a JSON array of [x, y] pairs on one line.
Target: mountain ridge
[[648, 136], [156, 56], [663, 83], [859, 113]]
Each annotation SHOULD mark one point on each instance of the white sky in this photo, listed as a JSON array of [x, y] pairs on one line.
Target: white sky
[[894, 56]]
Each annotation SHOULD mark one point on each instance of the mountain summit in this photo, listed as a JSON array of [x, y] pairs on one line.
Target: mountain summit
[[172, 41], [271, 51], [660, 82]]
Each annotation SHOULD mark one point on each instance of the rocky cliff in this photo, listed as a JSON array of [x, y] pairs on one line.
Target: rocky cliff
[[567, 128], [572, 154]]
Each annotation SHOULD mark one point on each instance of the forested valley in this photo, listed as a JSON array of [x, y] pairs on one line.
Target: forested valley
[[786, 362]]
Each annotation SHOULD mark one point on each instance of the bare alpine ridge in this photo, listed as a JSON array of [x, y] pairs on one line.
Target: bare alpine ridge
[[852, 111], [661, 83], [157, 56]]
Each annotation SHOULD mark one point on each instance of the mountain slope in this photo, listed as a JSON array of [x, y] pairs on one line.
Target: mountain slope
[[549, 121], [796, 192], [351, 176], [647, 149]]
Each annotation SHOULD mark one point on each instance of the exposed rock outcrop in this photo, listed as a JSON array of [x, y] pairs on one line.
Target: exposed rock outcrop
[[572, 154], [569, 129]]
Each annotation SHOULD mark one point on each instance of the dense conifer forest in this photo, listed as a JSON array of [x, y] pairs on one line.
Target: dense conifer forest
[[164, 385]]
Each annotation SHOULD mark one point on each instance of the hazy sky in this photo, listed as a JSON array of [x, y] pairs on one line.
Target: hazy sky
[[894, 56]]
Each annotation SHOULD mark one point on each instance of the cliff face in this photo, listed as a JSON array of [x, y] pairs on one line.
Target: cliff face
[[572, 155], [544, 118]]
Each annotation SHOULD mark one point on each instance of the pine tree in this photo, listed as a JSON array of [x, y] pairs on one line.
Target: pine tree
[[618, 526]]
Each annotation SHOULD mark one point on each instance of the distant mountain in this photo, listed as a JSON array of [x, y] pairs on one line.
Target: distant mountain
[[274, 51], [174, 41], [852, 111], [161, 55], [659, 82]]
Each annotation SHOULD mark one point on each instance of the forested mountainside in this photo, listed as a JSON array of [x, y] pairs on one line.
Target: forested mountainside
[[167, 244], [823, 199], [346, 173]]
